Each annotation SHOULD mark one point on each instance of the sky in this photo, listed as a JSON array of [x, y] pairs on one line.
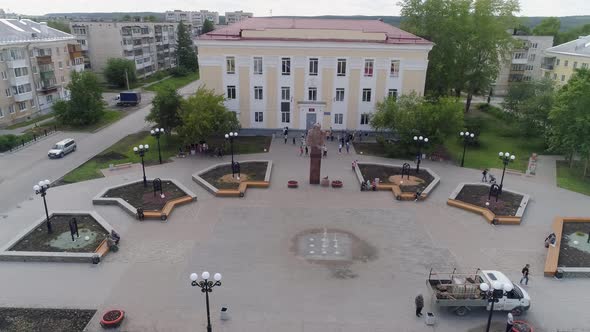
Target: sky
[[264, 7]]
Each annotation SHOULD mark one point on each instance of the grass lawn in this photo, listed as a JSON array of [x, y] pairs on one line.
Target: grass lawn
[[571, 178], [110, 117], [176, 82], [372, 149], [122, 152], [492, 141], [30, 122]]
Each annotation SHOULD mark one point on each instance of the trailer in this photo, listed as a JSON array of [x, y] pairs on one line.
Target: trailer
[[461, 292]]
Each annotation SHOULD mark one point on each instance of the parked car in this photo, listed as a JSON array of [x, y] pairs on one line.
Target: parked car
[[61, 148]]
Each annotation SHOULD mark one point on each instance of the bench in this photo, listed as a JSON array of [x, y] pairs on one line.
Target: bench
[[152, 214], [121, 166], [553, 251], [102, 249], [227, 193], [397, 192], [171, 204]]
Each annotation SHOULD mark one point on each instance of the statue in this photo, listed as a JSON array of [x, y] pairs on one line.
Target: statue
[[315, 140]]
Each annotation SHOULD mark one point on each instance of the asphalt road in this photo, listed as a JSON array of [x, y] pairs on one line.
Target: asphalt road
[[21, 170]]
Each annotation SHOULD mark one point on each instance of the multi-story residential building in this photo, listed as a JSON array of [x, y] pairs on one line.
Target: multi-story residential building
[[35, 66], [150, 45], [195, 18], [524, 63], [237, 16], [560, 61], [277, 72]]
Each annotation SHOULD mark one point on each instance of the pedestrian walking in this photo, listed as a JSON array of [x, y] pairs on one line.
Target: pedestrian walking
[[306, 150], [301, 151], [348, 147], [286, 137], [340, 148], [325, 148], [419, 301], [509, 322], [525, 275], [294, 140], [484, 174]]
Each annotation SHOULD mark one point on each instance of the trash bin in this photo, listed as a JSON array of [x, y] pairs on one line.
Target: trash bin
[[224, 314], [559, 274], [430, 319]]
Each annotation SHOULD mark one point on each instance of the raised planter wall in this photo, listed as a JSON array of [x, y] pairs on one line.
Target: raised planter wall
[[426, 190], [210, 188]]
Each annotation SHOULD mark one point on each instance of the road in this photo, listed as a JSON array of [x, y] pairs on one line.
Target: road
[[22, 169]]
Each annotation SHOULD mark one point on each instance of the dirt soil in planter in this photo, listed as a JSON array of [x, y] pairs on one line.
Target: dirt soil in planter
[[507, 204], [40, 240], [112, 315], [570, 256], [42, 320], [370, 172], [143, 197], [254, 171]]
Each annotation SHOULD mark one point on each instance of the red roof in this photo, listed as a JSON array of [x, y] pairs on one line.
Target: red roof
[[233, 32]]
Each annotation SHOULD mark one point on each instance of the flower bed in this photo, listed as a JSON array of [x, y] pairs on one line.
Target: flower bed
[[54, 320], [507, 204], [112, 318], [140, 196], [249, 171], [384, 172]]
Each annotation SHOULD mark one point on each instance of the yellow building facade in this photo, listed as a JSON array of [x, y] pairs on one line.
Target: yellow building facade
[[561, 61], [277, 72]]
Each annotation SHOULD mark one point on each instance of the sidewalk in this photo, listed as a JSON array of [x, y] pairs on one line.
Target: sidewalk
[[20, 130]]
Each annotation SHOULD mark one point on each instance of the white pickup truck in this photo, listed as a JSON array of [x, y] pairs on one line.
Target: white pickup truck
[[461, 292]]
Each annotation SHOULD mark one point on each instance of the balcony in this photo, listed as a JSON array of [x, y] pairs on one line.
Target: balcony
[[23, 96], [44, 60], [521, 61], [127, 47], [47, 86], [16, 81], [16, 63]]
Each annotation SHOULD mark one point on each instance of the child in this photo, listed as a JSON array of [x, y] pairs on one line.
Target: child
[[301, 151], [340, 148]]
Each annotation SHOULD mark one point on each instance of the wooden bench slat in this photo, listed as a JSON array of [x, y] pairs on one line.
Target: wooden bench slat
[[103, 248]]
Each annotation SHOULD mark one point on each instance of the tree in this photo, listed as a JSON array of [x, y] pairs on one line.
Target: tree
[[150, 18], [126, 18], [548, 27], [570, 119], [59, 25], [572, 34], [117, 68], [165, 110], [204, 115], [207, 26], [531, 102], [85, 105], [185, 51]]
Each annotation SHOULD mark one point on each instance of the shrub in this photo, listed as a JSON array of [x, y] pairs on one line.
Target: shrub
[[180, 72], [7, 142]]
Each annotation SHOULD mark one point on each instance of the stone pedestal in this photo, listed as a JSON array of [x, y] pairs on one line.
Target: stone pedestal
[[315, 165]]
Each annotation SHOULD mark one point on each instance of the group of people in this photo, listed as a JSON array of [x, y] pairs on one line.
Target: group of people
[[200, 148], [484, 177]]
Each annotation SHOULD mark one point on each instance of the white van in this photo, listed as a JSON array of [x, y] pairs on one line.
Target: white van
[[61, 148]]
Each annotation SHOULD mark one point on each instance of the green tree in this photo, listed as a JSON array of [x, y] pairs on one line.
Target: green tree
[[548, 27], [203, 115], [570, 119], [126, 18], [207, 26], [150, 18], [187, 58], [59, 25], [572, 34], [85, 105], [117, 68], [165, 111], [531, 102]]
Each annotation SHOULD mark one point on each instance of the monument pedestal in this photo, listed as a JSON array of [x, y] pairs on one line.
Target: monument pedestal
[[315, 165]]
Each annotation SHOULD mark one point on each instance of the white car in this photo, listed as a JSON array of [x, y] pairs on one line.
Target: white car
[[61, 148]]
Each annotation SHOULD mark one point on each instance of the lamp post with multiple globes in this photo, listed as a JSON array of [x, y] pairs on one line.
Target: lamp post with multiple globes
[[506, 159], [141, 150], [157, 133], [41, 189], [206, 286], [467, 138], [420, 140]]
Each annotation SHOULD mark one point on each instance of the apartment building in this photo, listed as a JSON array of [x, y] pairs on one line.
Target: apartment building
[[524, 63], [560, 61], [277, 72], [237, 16], [195, 18], [150, 45], [35, 66]]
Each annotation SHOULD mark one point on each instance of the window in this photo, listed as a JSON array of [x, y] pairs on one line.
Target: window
[[33, 103], [286, 66], [68, 63], [1, 113], [557, 62], [313, 67], [61, 65], [341, 67], [338, 117], [562, 78], [312, 94], [258, 92], [4, 76], [554, 76], [49, 98], [258, 66], [22, 106], [11, 109], [394, 68], [231, 64], [35, 69], [258, 117], [286, 93], [285, 117], [369, 67], [17, 54], [7, 92], [367, 95], [231, 92], [392, 93], [63, 79], [529, 67], [575, 64], [18, 72], [520, 55], [339, 94], [365, 118], [17, 90], [532, 57], [565, 62], [57, 50], [534, 45]]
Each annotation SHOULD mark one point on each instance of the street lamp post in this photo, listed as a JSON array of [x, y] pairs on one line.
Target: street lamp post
[[467, 138], [506, 159], [230, 136], [157, 133], [494, 295], [206, 286], [141, 150], [420, 140], [41, 189]]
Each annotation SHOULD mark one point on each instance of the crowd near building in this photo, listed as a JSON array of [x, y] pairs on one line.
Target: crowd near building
[[560, 61], [524, 63], [35, 66], [150, 45], [278, 72]]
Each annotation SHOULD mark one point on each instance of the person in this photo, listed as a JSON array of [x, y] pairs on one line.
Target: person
[[340, 148], [286, 137], [525, 275], [294, 140], [115, 236], [550, 240], [485, 175], [306, 150], [325, 148], [347, 147], [492, 179], [417, 195], [419, 301], [509, 322], [354, 164], [301, 151]]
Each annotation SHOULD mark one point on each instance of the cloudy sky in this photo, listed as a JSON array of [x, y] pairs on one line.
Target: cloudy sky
[[263, 7]]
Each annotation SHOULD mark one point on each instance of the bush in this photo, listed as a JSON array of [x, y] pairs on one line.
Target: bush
[[180, 72], [114, 72], [475, 124], [399, 150], [7, 142]]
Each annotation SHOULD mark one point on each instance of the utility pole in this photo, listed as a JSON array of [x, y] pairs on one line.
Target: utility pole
[[127, 79]]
